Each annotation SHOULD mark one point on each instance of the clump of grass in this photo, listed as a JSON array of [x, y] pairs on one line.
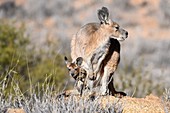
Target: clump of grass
[[166, 100], [43, 99], [166, 95]]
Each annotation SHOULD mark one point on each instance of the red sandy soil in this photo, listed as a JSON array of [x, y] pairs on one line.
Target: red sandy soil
[[149, 104]]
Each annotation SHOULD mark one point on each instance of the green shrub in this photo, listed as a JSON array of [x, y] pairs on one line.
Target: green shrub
[[24, 65], [12, 46]]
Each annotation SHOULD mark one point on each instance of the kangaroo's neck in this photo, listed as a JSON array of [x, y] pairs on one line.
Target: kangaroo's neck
[[101, 37]]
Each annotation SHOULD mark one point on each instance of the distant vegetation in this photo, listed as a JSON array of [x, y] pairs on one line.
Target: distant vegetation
[[21, 63], [165, 18]]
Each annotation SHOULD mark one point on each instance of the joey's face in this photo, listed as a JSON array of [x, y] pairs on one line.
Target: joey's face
[[74, 67], [73, 70], [115, 31]]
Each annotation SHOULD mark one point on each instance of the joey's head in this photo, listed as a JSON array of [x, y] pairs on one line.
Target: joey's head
[[109, 27], [74, 67]]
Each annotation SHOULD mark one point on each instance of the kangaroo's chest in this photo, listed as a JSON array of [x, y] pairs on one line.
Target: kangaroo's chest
[[100, 52]]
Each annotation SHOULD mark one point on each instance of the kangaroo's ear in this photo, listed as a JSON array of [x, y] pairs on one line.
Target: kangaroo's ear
[[79, 61], [103, 15], [66, 60]]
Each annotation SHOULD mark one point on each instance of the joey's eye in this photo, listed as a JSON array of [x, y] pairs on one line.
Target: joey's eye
[[69, 69], [76, 69]]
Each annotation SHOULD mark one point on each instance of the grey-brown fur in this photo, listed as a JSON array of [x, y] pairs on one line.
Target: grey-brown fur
[[97, 44]]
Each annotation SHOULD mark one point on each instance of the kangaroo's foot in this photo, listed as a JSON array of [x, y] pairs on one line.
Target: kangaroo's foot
[[68, 93], [120, 94], [103, 90]]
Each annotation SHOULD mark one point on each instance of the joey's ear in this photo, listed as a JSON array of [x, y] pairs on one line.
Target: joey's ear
[[79, 61], [103, 15], [66, 60]]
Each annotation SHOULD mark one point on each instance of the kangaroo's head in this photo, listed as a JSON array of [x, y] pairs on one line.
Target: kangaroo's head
[[109, 27], [74, 67]]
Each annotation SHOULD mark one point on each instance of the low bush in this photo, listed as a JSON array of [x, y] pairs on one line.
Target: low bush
[[21, 62]]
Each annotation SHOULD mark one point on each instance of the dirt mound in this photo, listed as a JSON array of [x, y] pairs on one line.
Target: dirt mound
[[149, 104], [105, 104]]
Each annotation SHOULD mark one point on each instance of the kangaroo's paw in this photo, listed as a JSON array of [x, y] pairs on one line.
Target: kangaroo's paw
[[120, 94], [92, 76]]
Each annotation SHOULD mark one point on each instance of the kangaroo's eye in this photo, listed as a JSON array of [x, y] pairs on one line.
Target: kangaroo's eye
[[117, 28], [76, 69], [69, 69]]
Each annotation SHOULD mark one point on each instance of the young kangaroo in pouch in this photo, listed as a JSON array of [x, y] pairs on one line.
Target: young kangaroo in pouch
[[77, 72]]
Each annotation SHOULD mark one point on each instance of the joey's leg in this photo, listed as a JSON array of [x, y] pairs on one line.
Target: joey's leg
[[89, 86], [79, 87]]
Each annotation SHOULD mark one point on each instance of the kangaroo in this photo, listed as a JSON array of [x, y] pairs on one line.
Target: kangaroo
[[77, 72], [98, 45]]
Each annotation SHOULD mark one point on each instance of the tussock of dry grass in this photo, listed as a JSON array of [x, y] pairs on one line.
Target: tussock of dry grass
[[48, 101]]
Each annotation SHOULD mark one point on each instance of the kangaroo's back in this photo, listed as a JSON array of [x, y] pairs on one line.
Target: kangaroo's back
[[82, 39]]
